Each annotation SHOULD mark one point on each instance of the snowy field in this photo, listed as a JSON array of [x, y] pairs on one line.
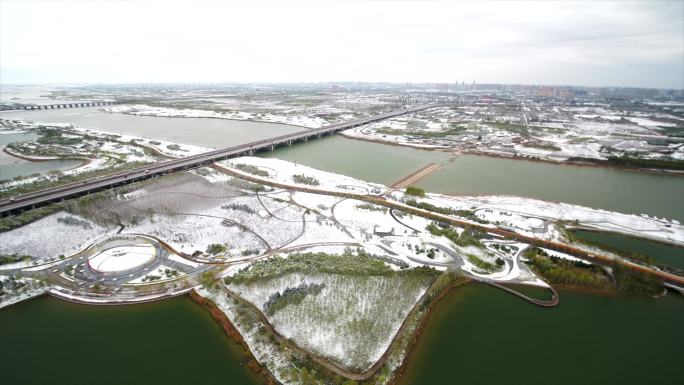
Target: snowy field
[[49, 237], [292, 118], [285, 170], [528, 214], [361, 313], [557, 134]]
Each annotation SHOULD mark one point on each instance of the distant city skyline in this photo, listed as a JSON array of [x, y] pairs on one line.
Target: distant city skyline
[[594, 44]]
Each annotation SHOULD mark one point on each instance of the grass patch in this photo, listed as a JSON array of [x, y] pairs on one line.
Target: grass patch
[[631, 161], [469, 236], [455, 130], [13, 258], [248, 168], [467, 214], [577, 273], [344, 308], [415, 191], [346, 264], [482, 264], [565, 272], [516, 128], [27, 217], [303, 179], [541, 146], [216, 248]]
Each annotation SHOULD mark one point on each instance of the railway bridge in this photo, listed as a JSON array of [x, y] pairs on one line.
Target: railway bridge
[[66, 105]]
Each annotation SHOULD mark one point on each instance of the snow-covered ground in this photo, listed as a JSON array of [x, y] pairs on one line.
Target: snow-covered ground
[[30, 288], [361, 314], [555, 135], [292, 119], [156, 275], [284, 172], [50, 238], [527, 215]]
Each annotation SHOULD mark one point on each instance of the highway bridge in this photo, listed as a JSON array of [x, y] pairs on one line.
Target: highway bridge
[[14, 205]]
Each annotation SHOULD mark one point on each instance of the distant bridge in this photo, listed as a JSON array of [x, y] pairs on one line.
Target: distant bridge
[[9, 206], [21, 107], [66, 105]]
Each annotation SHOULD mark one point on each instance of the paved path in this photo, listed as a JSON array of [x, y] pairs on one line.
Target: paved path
[[415, 176]]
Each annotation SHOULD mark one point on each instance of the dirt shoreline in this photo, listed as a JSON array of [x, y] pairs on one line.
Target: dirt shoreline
[[222, 320], [455, 152]]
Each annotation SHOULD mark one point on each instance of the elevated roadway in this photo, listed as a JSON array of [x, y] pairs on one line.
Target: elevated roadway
[[13, 205]]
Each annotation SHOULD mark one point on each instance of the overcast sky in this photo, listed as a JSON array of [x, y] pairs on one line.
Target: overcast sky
[[593, 43]]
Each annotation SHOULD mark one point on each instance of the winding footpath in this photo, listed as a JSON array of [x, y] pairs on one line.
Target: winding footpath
[[552, 245]]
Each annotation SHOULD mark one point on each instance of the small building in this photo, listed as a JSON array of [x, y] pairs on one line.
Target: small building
[[383, 231]]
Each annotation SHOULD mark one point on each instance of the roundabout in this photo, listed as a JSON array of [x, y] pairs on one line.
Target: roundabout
[[122, 258], [123, 254]]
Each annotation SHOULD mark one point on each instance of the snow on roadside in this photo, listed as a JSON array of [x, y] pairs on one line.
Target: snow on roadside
[[526, 208], [49, 238]]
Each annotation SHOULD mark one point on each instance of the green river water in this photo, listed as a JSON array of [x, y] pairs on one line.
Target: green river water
[[596, 187], [175, 341], [661, 253], [482, 335]]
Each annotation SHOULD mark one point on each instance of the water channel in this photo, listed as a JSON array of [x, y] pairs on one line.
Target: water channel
[[11, 166], [661, 253]]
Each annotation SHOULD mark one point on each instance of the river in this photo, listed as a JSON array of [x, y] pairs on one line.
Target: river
[[212, 133], [666, 254], [596, 187], [482, 335], [174, 341], [11, 166]]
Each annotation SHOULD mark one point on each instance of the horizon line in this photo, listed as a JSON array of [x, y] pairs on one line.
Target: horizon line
[[327, 82]]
